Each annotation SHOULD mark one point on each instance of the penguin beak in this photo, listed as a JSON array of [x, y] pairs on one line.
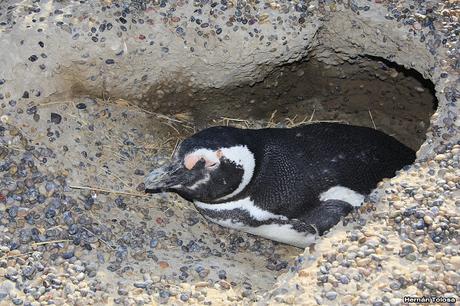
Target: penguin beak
[[165, 178]]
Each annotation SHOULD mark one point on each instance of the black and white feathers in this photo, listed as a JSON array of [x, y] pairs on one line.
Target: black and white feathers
[[283, 184]]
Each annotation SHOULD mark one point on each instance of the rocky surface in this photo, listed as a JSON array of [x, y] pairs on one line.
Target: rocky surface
[[75, 226]]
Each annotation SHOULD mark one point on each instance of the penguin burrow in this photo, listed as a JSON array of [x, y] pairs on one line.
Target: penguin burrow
[[288, 185]]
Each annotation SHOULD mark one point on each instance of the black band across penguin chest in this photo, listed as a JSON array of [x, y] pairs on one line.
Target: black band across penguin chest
[[249, 219]]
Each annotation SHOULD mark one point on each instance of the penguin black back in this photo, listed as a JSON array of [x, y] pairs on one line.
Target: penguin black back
[[315, 157]]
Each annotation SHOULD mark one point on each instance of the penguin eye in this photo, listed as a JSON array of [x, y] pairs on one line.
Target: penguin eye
[[211, 165]]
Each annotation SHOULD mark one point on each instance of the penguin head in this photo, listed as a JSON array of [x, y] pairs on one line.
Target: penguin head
[[212, 165]]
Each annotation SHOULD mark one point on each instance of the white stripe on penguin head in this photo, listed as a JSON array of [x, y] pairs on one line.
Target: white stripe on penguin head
[[241, 156]]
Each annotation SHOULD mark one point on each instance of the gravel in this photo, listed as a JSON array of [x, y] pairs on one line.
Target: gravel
[[61, 243], [65, 243]]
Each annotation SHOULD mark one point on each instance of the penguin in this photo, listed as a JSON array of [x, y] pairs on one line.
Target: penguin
[[290, 185]]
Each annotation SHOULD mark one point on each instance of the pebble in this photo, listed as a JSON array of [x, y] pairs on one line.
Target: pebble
[[344, 279], [331, 295], [452, 278], [163, 264], [56, 118], [81, 106], [184, 297], [428, 220]]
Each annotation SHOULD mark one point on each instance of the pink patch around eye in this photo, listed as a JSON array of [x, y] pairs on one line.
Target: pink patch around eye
[[190, 161]]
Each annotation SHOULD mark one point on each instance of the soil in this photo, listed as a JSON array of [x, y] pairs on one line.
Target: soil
[[368, 92]]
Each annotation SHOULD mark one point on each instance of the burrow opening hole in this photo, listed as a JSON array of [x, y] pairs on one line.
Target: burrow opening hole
[[370, 92], [164, 237]]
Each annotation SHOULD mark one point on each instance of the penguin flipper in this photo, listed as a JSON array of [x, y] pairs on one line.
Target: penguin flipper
[[327, 214]]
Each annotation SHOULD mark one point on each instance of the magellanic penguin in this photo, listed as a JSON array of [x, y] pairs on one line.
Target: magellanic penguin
[[288, 185]]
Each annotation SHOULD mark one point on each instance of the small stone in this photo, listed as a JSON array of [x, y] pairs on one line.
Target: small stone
[[344, 279], [331, 295], [440, 157], [222, 274], [56, 118], [225, 285], [452, 278], [455, 261], [163, 264], [184, 297], [153, 243], [407, 249], [428, 220], [363, 262], [395, 285], [81, 106], [122, 291]]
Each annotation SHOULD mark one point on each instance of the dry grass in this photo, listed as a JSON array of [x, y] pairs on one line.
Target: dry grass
[[12, 147], [372, 119], [286, 122], [50, 242], [100, 239], [129, 193]]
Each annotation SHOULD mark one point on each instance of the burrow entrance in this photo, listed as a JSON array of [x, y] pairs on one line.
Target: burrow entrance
[[370, 92], [159, 247]]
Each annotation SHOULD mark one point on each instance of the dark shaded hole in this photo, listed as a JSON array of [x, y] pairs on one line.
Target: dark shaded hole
[[412, 73], [368, 92]]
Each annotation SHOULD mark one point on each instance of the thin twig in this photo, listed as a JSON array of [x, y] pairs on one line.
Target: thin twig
[[50, 242], [312, 114], [271, 121], [175, 148], [160, 116], [373, 123], [110, 174], [108, 191], [12, 148], [234, 119], [172, 126], [53, 103], [99, 238]]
